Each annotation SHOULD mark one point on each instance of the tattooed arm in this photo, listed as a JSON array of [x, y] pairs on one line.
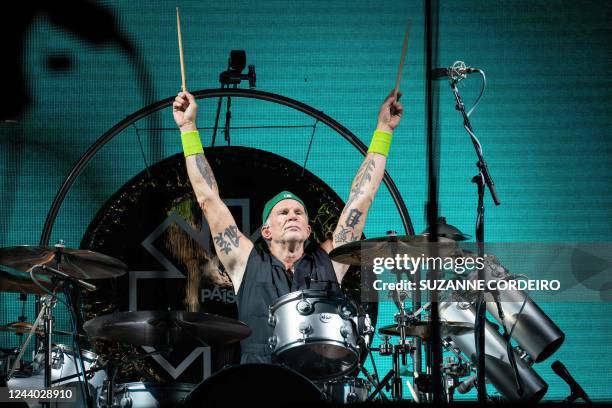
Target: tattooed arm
[[363, 189], [232, 247]]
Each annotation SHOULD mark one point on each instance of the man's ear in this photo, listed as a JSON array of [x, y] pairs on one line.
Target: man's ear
[[309, 229], [265, 232]]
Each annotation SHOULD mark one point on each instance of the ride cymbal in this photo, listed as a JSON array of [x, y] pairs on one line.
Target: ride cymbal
[[78, 263], [165, 328]]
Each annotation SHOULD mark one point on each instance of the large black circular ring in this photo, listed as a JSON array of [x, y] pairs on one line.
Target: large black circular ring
[[214, 93]]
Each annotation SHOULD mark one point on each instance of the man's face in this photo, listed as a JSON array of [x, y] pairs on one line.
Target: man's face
[[287, 222]]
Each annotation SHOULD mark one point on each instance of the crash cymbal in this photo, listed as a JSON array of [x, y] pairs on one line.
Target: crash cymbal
[[421, 329], [165, 328], [25, 327], [13, 280], [78, 263], [390, 246]]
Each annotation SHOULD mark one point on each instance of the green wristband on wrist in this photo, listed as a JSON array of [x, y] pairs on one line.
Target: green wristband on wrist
[[191, 143], [381, 142]]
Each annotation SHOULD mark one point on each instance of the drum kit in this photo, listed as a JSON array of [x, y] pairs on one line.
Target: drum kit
[[320, 340]]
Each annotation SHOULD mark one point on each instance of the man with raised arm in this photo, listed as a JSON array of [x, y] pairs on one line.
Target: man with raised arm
[[261, 276]]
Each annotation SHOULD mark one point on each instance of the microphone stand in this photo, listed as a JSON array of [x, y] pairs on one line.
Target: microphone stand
[[481, 179]]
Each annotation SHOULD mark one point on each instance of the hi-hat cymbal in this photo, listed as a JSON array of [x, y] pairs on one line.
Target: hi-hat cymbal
[[14, 280], [165, 328], [78, 263], [365, 250], [25, 327], [422, 329]]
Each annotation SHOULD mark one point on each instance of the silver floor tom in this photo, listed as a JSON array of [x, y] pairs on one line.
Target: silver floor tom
[[315, 333]]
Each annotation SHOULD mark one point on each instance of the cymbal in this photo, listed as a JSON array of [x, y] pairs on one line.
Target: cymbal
[[165, 328], [13, 280], [448, 231], [25, 327], [78, 263], [390, 246], [421, 329]]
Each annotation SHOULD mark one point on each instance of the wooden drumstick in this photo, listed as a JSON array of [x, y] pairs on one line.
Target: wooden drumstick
[[402, 59], [180, 44]]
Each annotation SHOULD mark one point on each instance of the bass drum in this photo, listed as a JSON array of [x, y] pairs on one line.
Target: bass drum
[[255, 385]]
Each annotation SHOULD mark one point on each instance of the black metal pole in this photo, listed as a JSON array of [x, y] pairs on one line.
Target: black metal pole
[[433, 151]]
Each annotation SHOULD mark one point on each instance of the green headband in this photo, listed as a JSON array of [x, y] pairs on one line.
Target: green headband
[[283, 195]]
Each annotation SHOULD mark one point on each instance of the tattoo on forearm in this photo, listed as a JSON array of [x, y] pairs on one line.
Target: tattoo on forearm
[[353, 218], [344, 235], [230, 237], [364, 175], [206, 171]]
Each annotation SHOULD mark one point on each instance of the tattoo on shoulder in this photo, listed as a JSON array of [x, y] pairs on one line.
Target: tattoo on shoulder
[[205, 171], [228, 240]]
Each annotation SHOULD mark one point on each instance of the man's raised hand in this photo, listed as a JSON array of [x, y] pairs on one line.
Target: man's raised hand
[[390, 113], [185, 111]]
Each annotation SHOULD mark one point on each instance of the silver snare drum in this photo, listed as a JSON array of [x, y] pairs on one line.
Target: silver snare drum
[[315, 333], [347, 390], [65, 364]]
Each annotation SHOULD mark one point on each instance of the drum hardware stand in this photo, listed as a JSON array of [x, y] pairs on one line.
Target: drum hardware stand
[[393, 378], [373, 381], [59, 278], [481, 179], [453, 369], [112, 368]]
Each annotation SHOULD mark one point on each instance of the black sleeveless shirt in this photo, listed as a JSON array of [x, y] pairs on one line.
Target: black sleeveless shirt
[[265, 280]]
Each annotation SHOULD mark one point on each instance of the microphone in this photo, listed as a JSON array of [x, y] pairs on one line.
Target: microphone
[[62, 275], [455, 72], [576, 390], [467, 385]]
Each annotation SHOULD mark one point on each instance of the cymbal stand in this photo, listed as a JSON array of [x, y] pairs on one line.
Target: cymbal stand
[[393, 378], [372, 380], [45, 302], [452, 370]]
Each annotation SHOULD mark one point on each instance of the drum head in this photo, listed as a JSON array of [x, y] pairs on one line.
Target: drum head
[[319, 361], [256, 385]]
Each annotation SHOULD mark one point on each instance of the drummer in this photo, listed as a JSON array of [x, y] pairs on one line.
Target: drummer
[[260, 276]]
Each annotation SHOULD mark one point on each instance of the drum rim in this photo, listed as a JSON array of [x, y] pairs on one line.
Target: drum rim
[[346, 380], [153, 385], [310, 294], [283, 367], [342, 373], [318, 340], [87, 355]]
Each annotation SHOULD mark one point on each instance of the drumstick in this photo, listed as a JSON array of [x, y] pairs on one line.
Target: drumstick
[[180, 44], [402, 59]]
